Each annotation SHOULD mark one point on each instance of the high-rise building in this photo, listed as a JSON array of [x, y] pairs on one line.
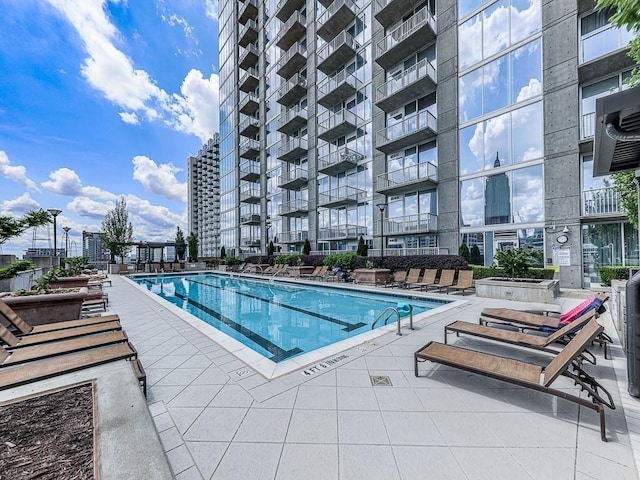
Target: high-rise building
[[203, 178], [94, 248], [329, 109]]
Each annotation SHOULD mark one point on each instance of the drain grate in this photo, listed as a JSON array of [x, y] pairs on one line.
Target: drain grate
[[380, 381]]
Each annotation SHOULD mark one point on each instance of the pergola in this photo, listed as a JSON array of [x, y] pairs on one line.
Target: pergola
[[152, 252]]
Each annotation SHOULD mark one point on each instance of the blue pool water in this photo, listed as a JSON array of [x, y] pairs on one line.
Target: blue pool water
[[277, 320]]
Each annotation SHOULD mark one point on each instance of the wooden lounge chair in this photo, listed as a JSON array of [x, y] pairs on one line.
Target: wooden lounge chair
[[81, 326], [312, 274], [445, 280], [465, 281], [14, 376], [413, 277], [527, 340], [530, 375], [428, 279], [321, 273], [399, 278]]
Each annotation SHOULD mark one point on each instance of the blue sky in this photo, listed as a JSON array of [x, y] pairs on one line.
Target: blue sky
[[103, 99]]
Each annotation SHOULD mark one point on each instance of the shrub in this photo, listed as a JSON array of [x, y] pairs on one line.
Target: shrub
[[270, 248], [464, 252], [73, 266], [306, 248], [223, 252], [12, 270], [344, 260], [362, 248], [290, 260], [480, 272], [613, 273], [516, 262], [231, 261], [476, 258]]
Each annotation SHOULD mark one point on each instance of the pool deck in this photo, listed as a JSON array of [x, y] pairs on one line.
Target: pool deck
[[219, 419]]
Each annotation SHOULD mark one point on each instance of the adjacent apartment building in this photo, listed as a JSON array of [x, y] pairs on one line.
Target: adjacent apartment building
[[203, 178], [423, 125]]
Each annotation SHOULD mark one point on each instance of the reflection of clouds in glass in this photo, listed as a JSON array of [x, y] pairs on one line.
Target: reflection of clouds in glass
[[470, 41], [527, 132], [528, 205], [470, 93], [531, 90], [495, 28], [525, 19], [472, 202]]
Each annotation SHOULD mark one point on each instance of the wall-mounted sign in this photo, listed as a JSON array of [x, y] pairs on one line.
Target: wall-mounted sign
[[562, 256]]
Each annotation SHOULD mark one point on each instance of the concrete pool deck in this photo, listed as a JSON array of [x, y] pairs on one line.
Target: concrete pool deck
[[219, 419]]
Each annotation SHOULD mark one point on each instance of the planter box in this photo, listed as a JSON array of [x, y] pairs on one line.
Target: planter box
[[48, 308], [524, 290], [296, 272], [69, 282], [375, 276]]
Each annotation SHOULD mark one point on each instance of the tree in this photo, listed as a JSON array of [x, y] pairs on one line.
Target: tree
[[181, 246], [516, 261], [306, 247], [624, 185], [627, 14], [476, 258], [192, 241], [223, 252], [14, 227], [117, 231], [464, 252], [270, 248], [362, 248]]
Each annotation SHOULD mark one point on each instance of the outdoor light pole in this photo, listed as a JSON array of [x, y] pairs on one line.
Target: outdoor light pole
[[66, 243], [54, 213], [381, 206]]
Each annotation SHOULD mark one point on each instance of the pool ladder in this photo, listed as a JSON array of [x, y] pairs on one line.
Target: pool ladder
[[389, 312]]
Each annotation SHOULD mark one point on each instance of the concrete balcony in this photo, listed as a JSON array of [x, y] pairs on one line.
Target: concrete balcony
[[409, 224], [294, 208], [339, 161], [342, 232], [292, 61], [292, 31], [341, 197], [407, 38], [249, 103], [250, 194], [387, 12], [419, 127], [292, 179], [250, 242], [294, 237], [338, 15], [248, 11], [250, 149], [248, 33], [334, 125], [292, 119], [293, 149], [292, 90], [248, 57], [421, 175], [333, 90], [336, 53], [250, 219], [249, 126], [601, 202], [249, 80], [415, 82], [250, 171], [285, 8]]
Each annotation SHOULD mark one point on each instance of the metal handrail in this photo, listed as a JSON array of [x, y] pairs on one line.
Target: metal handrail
[[389, 311]]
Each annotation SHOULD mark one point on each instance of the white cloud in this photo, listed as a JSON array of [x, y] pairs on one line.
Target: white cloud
[[88, 207], [129, 117], [211, 9], [64, 181], [153, 215], [17, 173], [111, 72], [531, 90], [160, 179], [18, 206], [174, 20]]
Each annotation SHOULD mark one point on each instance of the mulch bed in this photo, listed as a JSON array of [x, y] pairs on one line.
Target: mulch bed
[[49, 437]]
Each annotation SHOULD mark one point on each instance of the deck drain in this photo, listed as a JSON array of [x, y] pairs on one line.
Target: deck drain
[[380, 381]]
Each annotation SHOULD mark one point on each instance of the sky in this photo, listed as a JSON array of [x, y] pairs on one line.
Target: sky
[[102, 100]]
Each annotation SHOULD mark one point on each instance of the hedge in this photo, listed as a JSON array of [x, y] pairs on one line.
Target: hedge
[[12, 269], [613, 273], [484, 272]]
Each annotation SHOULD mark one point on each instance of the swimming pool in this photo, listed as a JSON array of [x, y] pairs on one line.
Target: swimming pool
[[278, 320]]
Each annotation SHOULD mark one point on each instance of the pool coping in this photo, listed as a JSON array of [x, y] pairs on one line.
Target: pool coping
[[267, 368]]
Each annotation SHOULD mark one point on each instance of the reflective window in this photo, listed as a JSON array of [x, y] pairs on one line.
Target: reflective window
[[526, 71], [599, 37], [527, 133], [470, 42], [495, 28], [472, 202], [525, 19], [470, 96], [496, 84], [471, 149], [528, 198], [497, 141]]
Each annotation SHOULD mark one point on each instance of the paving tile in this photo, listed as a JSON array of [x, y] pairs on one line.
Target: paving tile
[[357, 398], [353, 378], [361, 428], [169, 361], [249, 461], [308, 462], [313, 426], [161, 393], [531, 429], [207, 455], [411, 428], [398, 399], [260, 425], [558, 462], [197, 361], [316, 397], [212, 376], [327, 379], [154, 375], [180, 459], [232, 396], [598, 466], [414, 462], [371, 462], [216, 425], [195, 396], [157, 408], [283, 400], [180, 376], [190, 474], [464, 429], [490, 463], [163, 422], [382, 363], [170, 439], [183, 417]]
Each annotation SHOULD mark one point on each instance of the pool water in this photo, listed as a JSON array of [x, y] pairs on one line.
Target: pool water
[[278, 320]]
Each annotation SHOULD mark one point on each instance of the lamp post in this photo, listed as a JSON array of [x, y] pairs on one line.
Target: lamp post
[[54, 213], [382, 206], [66, 242]]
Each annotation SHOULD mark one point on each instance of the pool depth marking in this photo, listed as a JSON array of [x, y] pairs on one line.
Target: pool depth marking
[[348, 327]]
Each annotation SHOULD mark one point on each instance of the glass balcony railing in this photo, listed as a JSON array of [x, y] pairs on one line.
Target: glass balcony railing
[[423, 222], [420, 70], [341, 232], [601, 201], [421, 172], [405, 31], [407, 126], [603, 41], [588, 125]]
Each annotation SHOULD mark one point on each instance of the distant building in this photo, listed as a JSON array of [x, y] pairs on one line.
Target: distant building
[[94, 248], [204, 198]]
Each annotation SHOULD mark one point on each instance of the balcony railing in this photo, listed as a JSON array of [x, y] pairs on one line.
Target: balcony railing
[[293, 149], [339, 161], [603, 41], [248, 10], [250, 219], [588, 125], [249, 126], [341, 196], [421, 76], [333, 125], [250, 242], [333, 90], [249, 80], [294, 178], [250, 149], [336, 18], [292, 31], [249, 103], [250, 170], [419, 126], [292, 90], [292, 207], [425, 172], [286, 7], [336, 53], [248, 57], [419, 223], [292, 61], [341, 232], [298, 236], [601, 201], [248, 33], [387, 12], [250, 194], [403, 252], [292, 119]]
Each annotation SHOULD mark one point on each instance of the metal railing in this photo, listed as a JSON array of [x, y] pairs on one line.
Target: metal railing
[[401, 252], [341, 231], [329, 84], [422, 69], [403, 31], [588, 125], [248, 167], [601, 201], [293, 144], [298, 173], [603, 41], [333, 8], [418, 172], [296, 80], [329, 120], [294, 237], [343, 38], [339, 156], [289, 54], [421, 222], [341, 194], [293, 206], [413, 123]]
